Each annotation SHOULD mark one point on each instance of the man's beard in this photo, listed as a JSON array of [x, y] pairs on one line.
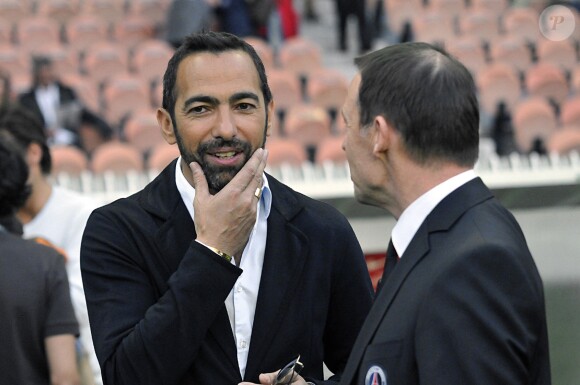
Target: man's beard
[[217, 176]]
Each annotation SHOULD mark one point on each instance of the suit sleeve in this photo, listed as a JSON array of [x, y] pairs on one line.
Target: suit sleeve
[[480, 324], [143, 336], [350, 302]]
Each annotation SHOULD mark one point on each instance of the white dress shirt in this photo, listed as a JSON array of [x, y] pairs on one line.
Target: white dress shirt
[[414, 215], [48, 99], [241, 302]]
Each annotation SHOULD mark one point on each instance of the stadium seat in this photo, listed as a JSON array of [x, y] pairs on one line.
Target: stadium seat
[[300, 55], [511, 50], [327, 87], [60, 10], [14, 61], [149, 59], [330, 150], [86, 89], [575, 80], [534, 120], [161, 155], [434, 26], [480, 23], [564, 140], [285, 151], [560, 53], [469, 50], [12, 11], [264, 50], [122, 94], [132, 30], [308, 124], [400, 13], [5, 33], [447, 8], [547, 80], [286, 89], [495, 7], [521, 23], [107, 10], [35, 31], [116, 157], [142, 130], [104, 60], [570, 112], [498, 82], [153, 10], [64, 59], [85, 30], [68, 160]]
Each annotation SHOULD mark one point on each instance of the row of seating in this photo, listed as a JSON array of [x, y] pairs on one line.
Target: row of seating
[[62, 11]]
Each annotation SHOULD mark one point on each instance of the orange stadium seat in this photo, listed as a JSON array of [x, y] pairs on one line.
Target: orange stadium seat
[[401, 12], [105, 59], [570, 112], [35, 31], [264, 51], [142, 130], [68, 160], [157, 94], [560, 53], [330, 150], [468, 50], [108, 10], [307, 123], [522, 23], [564, 140], [122, 94], [154, 10], [86, 89], [59, 10], [480, 23], [64, 59], [149, 59], [300, 55], [547, 80], [495, 7], [14, 61], [498, 82], [5, 33], [434, 27], [511, 50], [327, 87], [575, 80], [116, 157], [161, 155], [285, 87], [132, 30], [285, 151], [533, 119], [12, 11], [447, 8], [85, 30]]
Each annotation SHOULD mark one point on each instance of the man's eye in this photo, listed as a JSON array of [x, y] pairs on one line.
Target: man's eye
[[198, 110], [245, 106]]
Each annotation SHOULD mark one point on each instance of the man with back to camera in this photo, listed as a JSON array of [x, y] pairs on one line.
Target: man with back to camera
[[461, 300], [216, 272]]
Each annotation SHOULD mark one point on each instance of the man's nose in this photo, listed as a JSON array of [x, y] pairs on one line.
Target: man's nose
[[225, 126]]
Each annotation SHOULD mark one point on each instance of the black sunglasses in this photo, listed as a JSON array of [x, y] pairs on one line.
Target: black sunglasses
[[289, 372]]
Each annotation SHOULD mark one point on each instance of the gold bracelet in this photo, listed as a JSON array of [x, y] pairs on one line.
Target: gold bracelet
[[225, 256]]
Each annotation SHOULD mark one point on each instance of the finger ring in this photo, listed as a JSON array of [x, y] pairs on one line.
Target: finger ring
[[258, 192]]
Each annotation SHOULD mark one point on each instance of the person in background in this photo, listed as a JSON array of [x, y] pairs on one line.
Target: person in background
[[54, 103], [53, 213], [215, 272], [461, 300], [37, 326], [346, 8]]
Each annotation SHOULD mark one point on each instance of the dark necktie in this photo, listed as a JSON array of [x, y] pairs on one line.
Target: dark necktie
[[391, 260]]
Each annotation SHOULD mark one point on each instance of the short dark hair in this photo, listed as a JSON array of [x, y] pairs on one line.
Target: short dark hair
[[26, 129], [14, 189], [427, 95], [213, 42]]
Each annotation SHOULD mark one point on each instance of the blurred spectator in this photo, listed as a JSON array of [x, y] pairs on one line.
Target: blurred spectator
[[93, 131], [38, 325], [310, 13], [234, 17], [56, 104], [345, 8], [53, 213]]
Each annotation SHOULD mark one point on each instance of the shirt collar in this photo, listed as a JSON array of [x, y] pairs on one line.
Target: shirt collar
[[187, 191], [414, 215]]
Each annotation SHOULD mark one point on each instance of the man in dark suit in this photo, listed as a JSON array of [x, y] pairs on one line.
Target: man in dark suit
[[216, 272], [461, 300], [53, 102]]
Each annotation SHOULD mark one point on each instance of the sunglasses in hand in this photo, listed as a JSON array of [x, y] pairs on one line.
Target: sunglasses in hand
[[289, 372]]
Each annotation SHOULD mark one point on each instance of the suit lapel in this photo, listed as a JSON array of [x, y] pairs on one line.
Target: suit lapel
[[173, 239], [440, 219], [284, 262]]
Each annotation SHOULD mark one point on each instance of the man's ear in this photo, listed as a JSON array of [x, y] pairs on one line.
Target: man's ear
[[166, 125], [382, 131], [271, 111]]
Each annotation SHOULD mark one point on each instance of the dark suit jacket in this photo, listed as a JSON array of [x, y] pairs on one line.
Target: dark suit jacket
[[156, 297], [66, 95], [464, 305]]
